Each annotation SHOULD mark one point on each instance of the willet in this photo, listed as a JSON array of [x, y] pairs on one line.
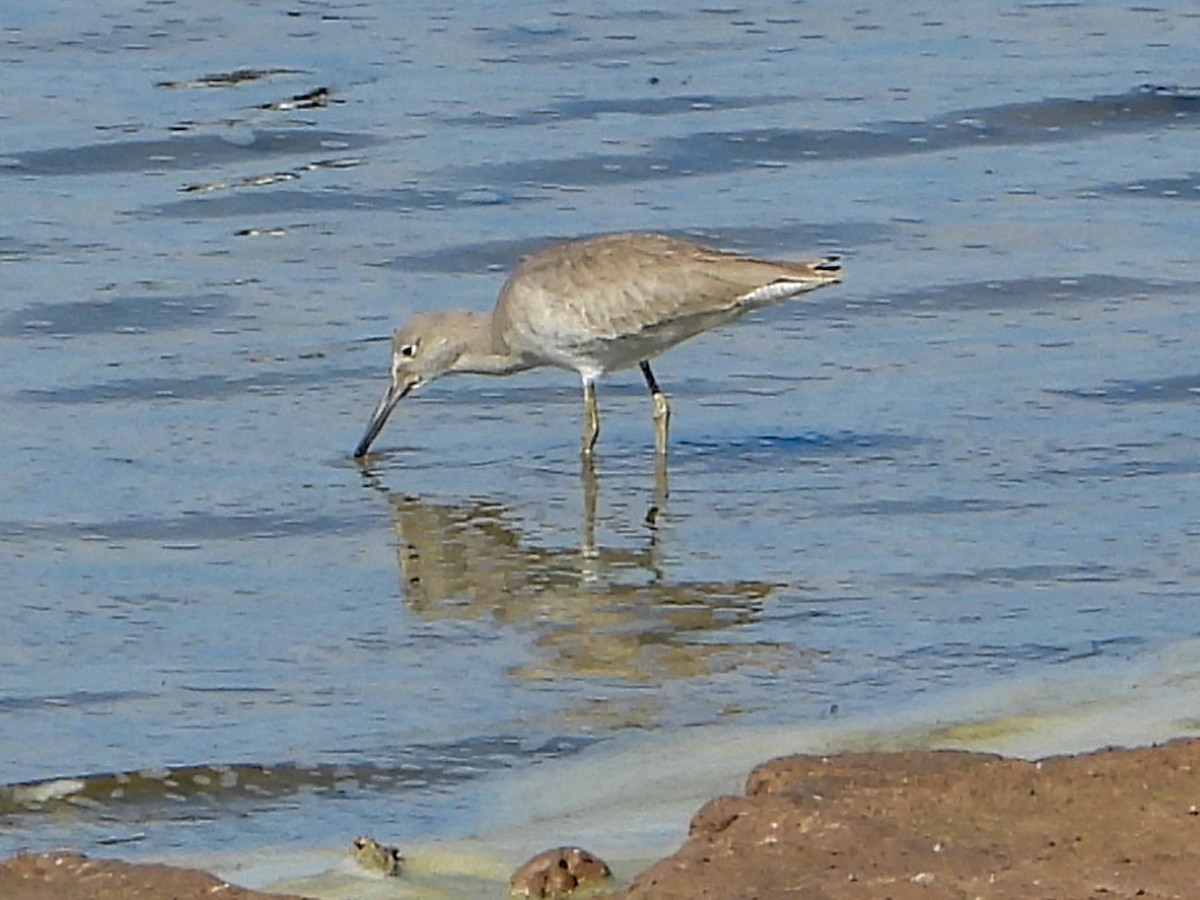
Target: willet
[[594, 306]]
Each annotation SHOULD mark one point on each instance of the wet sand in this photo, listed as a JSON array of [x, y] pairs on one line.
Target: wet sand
[[929, 824], [65, 875]]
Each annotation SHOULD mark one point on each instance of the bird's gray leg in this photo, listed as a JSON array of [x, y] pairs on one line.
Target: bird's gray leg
[[591, 418], [662, 411], [660, 492], [587, 547]]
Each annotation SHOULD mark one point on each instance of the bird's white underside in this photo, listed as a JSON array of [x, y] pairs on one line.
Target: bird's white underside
[[776, 291]]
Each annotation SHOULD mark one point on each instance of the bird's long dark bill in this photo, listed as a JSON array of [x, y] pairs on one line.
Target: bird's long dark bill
[[393, 395]]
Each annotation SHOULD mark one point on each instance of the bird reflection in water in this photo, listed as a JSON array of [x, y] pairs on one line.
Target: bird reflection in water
[[610, 612]]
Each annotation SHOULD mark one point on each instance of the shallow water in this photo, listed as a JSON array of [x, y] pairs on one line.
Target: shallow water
[[970, 463]]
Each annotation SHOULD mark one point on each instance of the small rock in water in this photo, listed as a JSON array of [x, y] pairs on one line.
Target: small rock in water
[[556, 872], [376, 857]]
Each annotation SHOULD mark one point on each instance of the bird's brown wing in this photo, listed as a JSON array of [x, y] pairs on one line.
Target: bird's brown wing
[[624, 284]]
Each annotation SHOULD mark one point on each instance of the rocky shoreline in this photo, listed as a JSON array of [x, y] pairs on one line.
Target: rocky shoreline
[[928, 824]]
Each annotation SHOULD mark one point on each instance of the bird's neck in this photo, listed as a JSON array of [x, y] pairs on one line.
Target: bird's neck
[[484, 352]]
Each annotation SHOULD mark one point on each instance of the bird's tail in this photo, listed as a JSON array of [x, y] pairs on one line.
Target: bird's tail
[[830, 264]]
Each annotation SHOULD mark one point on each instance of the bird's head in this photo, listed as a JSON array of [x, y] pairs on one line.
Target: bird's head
[[424, 348]]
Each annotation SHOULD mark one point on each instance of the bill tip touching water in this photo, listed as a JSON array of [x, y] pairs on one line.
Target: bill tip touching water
[[594, 306]]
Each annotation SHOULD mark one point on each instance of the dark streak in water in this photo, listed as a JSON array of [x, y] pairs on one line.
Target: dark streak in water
[[716, 152], [227, 79], [116, 314], [1044, 292], [1186, 187], [14, 249], [724, 455], [189, 527], [1133, 468], [75, 699], [576, 108], [181, 152], [1010, 575], [272, 202], [1004, 657], [929, 506], [182, 791], [200, 387], [1173, 389], [271, 178]]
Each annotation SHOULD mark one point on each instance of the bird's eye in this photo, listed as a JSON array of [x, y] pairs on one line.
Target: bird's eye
[[408, 351]]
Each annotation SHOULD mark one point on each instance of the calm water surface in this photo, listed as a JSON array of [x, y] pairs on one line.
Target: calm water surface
[[975, 460]]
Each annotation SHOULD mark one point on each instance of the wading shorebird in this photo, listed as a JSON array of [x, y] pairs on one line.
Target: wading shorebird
[[594, 306]]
